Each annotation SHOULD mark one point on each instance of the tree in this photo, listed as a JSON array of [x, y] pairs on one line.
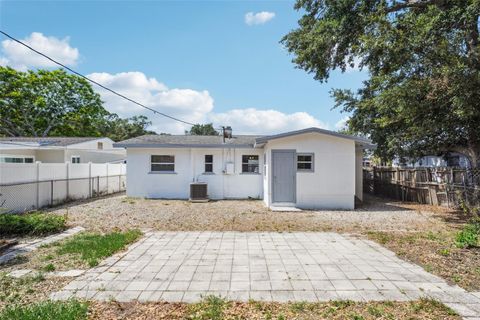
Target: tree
[[204, 130], [46, 103], [423, 58], [53, 103], [120, 129]]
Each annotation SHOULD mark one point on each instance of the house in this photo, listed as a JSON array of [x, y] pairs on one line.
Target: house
[[452, 159], [311, 168], [59, 150]]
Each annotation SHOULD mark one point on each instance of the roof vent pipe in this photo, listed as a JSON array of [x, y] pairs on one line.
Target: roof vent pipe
[[227, 133]]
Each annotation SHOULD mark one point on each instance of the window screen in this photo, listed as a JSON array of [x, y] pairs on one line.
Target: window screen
[[162, 163], [305, 162]]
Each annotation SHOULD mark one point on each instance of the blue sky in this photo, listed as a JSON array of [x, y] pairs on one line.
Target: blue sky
[[194, 59]]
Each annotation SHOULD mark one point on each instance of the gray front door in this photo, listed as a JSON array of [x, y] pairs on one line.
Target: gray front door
[[284, 176]]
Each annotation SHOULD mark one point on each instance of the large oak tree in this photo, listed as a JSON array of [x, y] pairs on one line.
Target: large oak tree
[[423, 57], [53, 103]]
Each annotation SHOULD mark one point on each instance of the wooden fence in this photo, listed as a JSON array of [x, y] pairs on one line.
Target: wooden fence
[[447, 186]]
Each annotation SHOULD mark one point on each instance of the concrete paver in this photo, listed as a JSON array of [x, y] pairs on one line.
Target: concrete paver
[[266, 266]]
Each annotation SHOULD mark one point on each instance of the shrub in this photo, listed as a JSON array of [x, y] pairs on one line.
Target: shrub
[[31, 224], [69, 310], [468, 237]]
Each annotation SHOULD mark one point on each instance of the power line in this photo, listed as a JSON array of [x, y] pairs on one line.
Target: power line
[[95, 82]]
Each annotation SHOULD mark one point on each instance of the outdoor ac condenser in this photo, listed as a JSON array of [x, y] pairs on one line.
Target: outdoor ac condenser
[[198, 192]]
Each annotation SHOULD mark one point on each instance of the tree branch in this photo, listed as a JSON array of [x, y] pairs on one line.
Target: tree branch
[[412, 4]]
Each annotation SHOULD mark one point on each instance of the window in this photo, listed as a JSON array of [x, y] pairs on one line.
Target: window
[[305, 162], [250, 164], [162, 163], [75, 159], [16, 159], [100, 145], [208, 163]]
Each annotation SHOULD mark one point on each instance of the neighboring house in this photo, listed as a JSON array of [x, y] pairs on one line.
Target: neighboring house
[[311, 168], [59, 150], [451, 160]]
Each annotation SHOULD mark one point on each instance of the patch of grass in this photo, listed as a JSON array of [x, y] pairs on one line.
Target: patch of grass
[[49, 267], [444, 252], [456, 278], [211, 308], [299, 306], [92, 247], [381, 237], [430, 305], [375, 311], [32, 224], [68, 310], [11, 288]]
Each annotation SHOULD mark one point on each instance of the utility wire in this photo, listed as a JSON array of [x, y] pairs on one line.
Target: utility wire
[[95, 82]]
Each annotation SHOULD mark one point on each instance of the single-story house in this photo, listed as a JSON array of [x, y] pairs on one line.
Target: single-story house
[[59, 150], [452, 159], [310, 168]]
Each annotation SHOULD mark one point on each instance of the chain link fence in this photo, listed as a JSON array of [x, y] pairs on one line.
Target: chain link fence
[[32, 195]]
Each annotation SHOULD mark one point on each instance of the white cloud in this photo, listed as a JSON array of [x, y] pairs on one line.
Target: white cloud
[[190, 105], [252, 18], [342, 123], [19, 57], [254, 121], [186, 104]]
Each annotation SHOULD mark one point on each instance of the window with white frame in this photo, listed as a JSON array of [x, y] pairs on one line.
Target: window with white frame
[[250, 164], [304, 161], [208, 163], [16, 159], [162, 163], [75, 159], [100, 145]]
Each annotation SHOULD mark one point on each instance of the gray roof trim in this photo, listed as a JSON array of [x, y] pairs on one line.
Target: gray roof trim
[[265, 139], [171, 145]]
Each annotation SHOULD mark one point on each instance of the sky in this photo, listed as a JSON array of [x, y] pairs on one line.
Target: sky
[[217, 62]]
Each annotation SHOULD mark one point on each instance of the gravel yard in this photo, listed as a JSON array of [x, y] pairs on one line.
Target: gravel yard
[[121, 212]]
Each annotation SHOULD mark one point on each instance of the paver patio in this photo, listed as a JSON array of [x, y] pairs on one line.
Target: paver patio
[[266, 266]]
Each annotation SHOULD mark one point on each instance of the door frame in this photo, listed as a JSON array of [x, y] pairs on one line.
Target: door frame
[[272, 183]]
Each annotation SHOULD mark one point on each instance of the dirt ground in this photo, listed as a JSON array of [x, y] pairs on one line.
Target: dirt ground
[[121, 212], [422, 310]]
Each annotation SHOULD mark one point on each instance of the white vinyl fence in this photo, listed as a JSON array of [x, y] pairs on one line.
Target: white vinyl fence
[[29, 186]]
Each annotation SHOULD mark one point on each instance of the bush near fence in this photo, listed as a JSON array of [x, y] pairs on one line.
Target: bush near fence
[[25, 186], [446, 186]]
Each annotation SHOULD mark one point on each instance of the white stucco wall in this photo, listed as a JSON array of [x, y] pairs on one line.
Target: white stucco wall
[[96, 156], [332, 184], [50, 156], [189, 167], [93, 144]]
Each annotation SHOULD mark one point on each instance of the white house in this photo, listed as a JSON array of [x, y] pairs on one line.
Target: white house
[[311, 168], [453, 159], [59, 150]]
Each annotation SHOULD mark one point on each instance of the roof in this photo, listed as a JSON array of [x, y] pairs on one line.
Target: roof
[[364, 142], [184, 141], [240, 141], [45, 141]]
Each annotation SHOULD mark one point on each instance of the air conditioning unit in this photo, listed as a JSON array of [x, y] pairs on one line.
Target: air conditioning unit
[[198, 192]]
